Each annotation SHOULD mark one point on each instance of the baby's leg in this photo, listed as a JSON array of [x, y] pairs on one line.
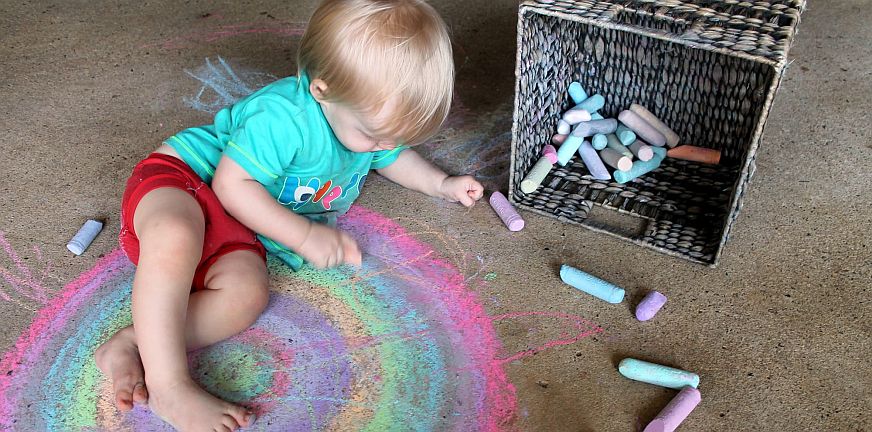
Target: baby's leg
[[169, 224]]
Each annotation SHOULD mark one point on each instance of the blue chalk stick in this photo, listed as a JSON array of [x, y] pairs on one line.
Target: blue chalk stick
[[626, 135], [656, 374], [595, 116], [599, 141], [591, 284], [641, 167], [577, 93], [568, 148], [593, 162], [592, 104]]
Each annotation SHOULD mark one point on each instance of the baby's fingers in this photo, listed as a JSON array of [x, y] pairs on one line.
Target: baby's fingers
[[351, 251]]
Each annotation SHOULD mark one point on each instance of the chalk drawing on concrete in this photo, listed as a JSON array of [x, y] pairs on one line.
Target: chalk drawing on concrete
[[20, 284], [221, 86]]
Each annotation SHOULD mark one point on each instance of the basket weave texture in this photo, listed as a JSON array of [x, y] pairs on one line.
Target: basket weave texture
[[708, 69]]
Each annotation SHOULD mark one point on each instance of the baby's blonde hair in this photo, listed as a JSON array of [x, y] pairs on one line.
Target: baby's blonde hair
[[370, 51]]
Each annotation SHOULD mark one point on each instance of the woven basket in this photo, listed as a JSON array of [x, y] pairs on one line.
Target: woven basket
[[708, 69]]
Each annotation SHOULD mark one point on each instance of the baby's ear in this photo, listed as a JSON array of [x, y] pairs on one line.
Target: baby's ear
[[318, 88]]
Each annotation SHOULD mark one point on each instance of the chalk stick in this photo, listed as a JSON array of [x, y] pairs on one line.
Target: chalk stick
[[641, 167], [591, 284], [593, 162], [649, 306], [615, 160], [696, 154], [559, 138], [670, 135], [577, 93], [642, 151], [507, 213], [624, 133], [671, 416], [586, 129], [563, 127], [653, 373], [614, 143], [551, 153], [568, 148], [85, 236], [591, 104], [575, 116], [643, 129], [598, 141], [538, 173]]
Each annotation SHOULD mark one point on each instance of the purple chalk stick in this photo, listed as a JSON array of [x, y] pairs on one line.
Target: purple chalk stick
[[649, 306], [593, 162], [643, 129], [506, 212], [593, 127], [675, 411]]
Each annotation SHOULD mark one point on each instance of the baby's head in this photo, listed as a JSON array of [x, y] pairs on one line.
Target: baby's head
[[381, 69]]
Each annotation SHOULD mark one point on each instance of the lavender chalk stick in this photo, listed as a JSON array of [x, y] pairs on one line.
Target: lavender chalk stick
[[538, 173], [624, 133], [671, 137], [577, 93], [615, 144], [615, 159], [675, 411], [593, 162], [575, 116], [653, 373], [604, 126], [649, 306], [640, 167], [642, 151], [592, 104], [568, 148], [551, 153], [85, 236], [506, 212], [591, 284], [643, 129], [563, 127]]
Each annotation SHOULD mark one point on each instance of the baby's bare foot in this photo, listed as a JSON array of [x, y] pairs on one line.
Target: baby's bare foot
[[188, 407], [118, 358]]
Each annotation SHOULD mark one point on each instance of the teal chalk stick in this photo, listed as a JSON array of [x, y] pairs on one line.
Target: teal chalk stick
[[641, 168], [653, 373], [568, 148], [626, 135], [591, 284], [577, 93], [592, 104], [599, 141]]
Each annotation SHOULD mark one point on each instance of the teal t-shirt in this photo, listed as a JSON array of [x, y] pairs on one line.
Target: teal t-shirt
[[282, 139]]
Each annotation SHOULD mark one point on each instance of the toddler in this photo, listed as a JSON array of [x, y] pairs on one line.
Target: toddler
[[271, 174]]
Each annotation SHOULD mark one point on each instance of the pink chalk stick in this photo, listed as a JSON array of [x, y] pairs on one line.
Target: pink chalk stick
[[559, 138], [642, 151], [507, 213], [649, 306], [576, 116], [676, 411], [551, 153], [643, 129]]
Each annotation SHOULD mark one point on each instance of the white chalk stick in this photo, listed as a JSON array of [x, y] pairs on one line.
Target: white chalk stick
[[643, 129], [85, 236], [615, 160], [671, 137]]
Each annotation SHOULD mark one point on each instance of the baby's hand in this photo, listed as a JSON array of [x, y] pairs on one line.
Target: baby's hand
[[465, 189], [326, 247]]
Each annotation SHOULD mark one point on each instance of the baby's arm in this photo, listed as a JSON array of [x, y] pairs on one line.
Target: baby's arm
[[412, 171], [250, 203]]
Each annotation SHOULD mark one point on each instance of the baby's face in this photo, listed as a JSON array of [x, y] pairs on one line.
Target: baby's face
[[354, 130]]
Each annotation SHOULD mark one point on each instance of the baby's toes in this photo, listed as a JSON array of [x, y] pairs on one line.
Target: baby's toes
[[140, 393]]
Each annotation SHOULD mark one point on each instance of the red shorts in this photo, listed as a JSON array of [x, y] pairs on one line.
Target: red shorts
[[223, 235]]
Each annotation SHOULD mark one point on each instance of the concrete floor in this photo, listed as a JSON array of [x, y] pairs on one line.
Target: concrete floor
[[779, 331]]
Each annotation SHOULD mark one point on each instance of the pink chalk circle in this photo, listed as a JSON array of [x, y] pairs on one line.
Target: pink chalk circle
[[615, 160], [551, 153], [559, 138], [642, 151], [675, 411], [507, 213], [576, 116], [649, 306], [563, 127], [643, 129]]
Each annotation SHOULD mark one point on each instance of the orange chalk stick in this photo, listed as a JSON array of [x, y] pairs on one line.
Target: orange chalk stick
[[696, 154]]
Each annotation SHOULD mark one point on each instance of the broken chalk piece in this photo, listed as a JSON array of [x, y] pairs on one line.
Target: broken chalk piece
[[642, 151], [671, 416], [507, 213], [640, 167], [696, 154], [538, 173], [559, 138], [649, 306], [568, 148], [592, 104], [615, 160], [551, 153], [575, 116], [591, 284], [624, 133], [590, 128], [670, 135], [615, 144], [643, 129], [593, 162], [576, 92], [563, 127], [85, 236], [653, 373]]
